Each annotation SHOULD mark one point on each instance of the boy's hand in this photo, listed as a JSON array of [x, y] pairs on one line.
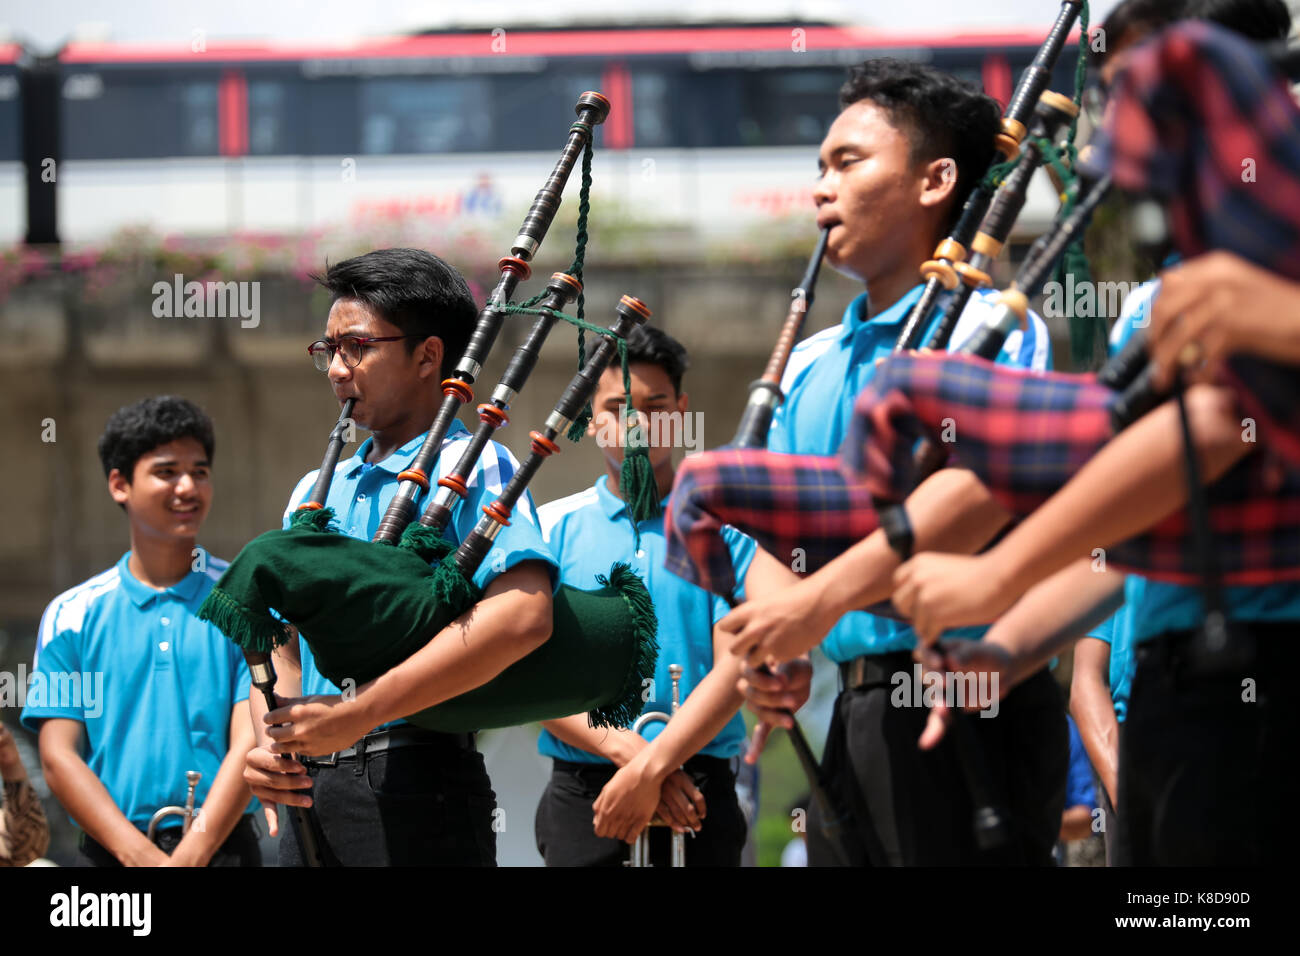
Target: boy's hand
[[316, 725], [11, 764]]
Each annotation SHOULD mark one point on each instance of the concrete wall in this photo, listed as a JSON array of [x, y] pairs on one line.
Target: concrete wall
[[73, 357]]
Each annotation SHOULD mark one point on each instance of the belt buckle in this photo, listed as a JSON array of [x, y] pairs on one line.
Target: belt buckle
[[853, 673], [331, 761]]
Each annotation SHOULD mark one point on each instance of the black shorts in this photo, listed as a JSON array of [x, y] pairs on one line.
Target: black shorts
[[564, 818]]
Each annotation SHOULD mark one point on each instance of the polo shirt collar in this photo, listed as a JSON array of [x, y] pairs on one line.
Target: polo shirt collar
[[399, 460], [855, 316], [141, 594], [610, 503]]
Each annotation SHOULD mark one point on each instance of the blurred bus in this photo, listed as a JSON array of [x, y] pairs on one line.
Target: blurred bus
[[712, 129]]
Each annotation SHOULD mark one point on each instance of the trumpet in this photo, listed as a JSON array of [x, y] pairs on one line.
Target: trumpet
[[192, 778], [641, 849]]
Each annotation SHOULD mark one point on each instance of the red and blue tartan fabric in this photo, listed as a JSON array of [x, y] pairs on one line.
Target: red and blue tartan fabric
[[1025, 434], [799, 508], [1200, 120]]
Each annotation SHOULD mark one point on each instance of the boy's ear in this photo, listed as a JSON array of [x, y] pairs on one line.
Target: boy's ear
[[118, 487], [940, 181], [683, 401], [432, 349]]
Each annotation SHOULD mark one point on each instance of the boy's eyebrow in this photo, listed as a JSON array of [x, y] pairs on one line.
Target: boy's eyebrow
[[173, 462]]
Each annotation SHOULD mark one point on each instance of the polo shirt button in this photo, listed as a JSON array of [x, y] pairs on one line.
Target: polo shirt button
[[166, 621], [640, 552], [361, 497], [163, 645]]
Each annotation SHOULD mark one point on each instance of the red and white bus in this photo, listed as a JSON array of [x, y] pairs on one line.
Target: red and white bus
[[712, 128]]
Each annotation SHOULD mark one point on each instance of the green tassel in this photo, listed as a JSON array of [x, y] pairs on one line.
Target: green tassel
[[1086, 332], [318, 519], [451, 589], [427, 543], [579, 426], [624, 709], [249, 629], [636, 482]]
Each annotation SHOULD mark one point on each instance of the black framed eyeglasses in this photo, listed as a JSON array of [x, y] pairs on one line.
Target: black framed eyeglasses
[[351, 347]]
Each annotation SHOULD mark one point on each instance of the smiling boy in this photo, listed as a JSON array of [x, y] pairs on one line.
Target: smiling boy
[[141, 690]]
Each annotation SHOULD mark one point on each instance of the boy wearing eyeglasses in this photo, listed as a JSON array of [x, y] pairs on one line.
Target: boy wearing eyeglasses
[[386, 792]]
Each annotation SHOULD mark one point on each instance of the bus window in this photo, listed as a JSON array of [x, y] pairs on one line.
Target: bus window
[[270, 131], [789, 107], [10, 121], [426, 115], [528, 107], [652, 109], [149, 115]]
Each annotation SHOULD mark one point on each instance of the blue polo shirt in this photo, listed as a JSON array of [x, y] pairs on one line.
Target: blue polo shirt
[[1158, 606], [1117, 631], [825, 375], [591, 530], [361, 492], [153, 685]]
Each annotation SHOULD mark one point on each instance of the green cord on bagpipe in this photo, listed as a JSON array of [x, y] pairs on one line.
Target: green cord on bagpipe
[[579, 426], [636, 480]]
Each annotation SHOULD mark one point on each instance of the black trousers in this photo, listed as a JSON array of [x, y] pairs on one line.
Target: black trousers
[[429, 804], [239, 849], [912, 808], [564, 818], [1207, 757]]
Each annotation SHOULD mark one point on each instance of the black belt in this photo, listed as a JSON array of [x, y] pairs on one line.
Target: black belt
[[394, 738], [704, 763], [1187, 652], [870, 670]]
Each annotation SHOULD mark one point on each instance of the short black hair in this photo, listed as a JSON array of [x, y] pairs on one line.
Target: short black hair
[[1254, 19], [414, 290], [654, 346], [1141, 16], [135, 430], [940, 115]]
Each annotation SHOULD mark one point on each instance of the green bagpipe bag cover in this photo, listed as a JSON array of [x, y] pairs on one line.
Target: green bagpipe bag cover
[[365, 607]]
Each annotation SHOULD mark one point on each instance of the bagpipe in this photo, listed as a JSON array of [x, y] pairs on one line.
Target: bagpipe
[[365, 606], [765, 396]]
